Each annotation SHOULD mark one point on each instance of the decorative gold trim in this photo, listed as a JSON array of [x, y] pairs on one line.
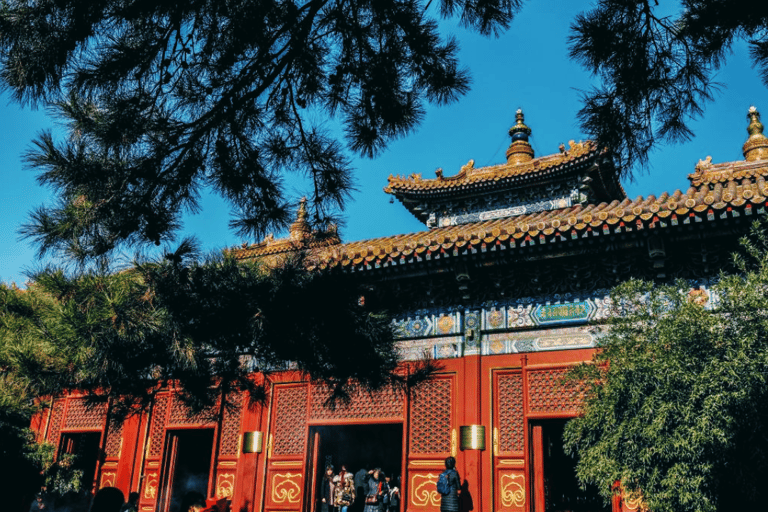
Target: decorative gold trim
[[270, 444], [518, 463], [424, 490], [454, 442], [109, 464], [496, 441], [225, 484], [425, 463], [153, 464], [286, 463], [512, 491], [285, 488], [227, 463]]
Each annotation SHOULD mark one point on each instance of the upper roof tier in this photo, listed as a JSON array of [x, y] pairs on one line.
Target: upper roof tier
[[717, 192], [581, 174]]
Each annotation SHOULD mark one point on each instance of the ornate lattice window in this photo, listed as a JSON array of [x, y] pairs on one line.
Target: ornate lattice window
[[548, 392], [431, 416], [511, 420], [290, 419]]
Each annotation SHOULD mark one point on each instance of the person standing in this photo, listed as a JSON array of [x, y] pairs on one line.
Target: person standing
[[373, 491], [360, 478], [345, 494], [326, 490], [394, 495], [383, 492], [448, 485]]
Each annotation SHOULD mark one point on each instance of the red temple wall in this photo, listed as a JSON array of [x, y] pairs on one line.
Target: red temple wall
[[504, 393]]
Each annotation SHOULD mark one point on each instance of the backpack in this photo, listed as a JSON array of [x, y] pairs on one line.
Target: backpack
[[443, 485]]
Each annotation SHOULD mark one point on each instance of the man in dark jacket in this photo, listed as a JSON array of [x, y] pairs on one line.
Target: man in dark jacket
[[360, 478]]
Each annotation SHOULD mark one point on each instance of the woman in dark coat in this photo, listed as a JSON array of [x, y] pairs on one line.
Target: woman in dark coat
[[326, 490], [373, 491], [450, 502]]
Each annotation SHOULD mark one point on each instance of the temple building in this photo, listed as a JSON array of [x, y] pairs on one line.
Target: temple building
[[504, 286]]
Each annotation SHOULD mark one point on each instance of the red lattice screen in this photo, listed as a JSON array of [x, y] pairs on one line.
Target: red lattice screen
[[180, 414], [114, 436], [385, 403], [55, 425], [511, 420], [290, 420], [230, 433], [431, 417], [81, 416], [548, 392], [157, 431]]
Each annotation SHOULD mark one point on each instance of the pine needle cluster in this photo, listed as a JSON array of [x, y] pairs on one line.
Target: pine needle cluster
[[167, 97]]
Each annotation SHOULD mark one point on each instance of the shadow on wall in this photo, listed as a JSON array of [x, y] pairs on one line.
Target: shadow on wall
[[466, 502]]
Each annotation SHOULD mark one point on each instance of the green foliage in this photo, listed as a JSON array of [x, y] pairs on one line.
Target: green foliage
[[656, 64], [165, 97], [203, 324], [59, 476], [677, 402]]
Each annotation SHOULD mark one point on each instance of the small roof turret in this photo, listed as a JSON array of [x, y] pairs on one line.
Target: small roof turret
[[756, 147], [520, 150], [300, 229]]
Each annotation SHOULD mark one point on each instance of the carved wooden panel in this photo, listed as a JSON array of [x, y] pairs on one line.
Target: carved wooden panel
[[57, 415], [150, 486], [290, 424], [181, 415], [225, 484], [107, 479], [81, 417], [385, 403], [230, 433], [511, 491], [548, 392], [114, 439], [284, 488], [157, 430], [431, 416], [423, 490], [511, 422]]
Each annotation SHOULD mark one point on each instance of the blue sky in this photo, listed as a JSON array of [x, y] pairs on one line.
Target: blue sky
[[526, 68]]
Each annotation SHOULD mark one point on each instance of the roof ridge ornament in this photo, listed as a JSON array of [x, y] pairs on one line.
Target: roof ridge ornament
[[520, 151], [756, 146], [300, 229]]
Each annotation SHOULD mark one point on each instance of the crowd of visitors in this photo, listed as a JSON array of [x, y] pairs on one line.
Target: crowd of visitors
[[365, 491]]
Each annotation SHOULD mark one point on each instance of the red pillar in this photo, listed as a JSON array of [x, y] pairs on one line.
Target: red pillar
[[471, 414]]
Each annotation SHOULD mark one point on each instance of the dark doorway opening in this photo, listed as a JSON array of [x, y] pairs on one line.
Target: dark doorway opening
[[562, 492], [84, 449], [84, 446], [355, 447], [186, 468]]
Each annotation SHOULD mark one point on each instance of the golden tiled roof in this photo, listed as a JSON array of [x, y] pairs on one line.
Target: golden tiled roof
[[742, 194], [718, 191], [507, 173]]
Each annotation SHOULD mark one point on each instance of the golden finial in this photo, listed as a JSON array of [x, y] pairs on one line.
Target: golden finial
[[300, 228], [520, 150], [520, 131], [756, 147], [302, 214]]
